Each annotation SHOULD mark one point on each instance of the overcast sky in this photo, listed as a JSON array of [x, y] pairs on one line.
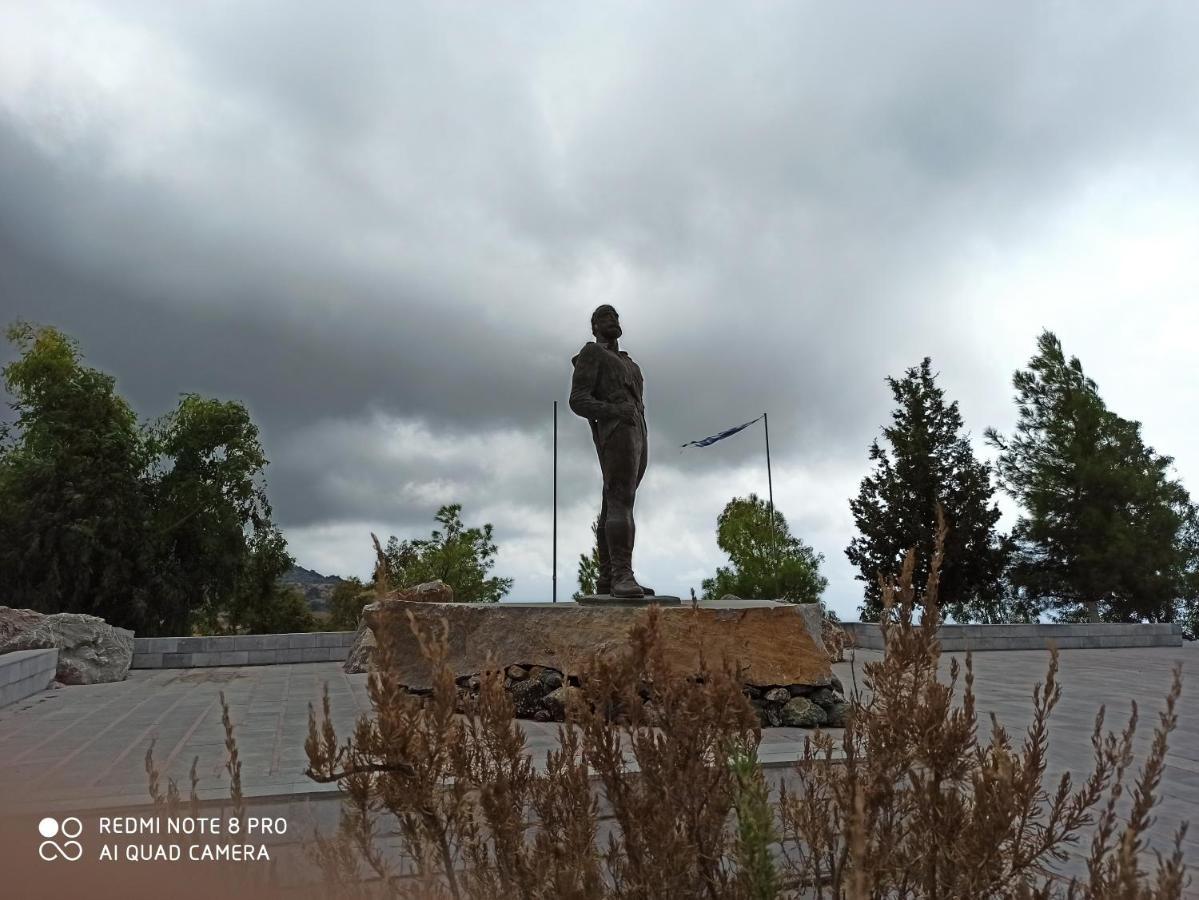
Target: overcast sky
[[383, 226]]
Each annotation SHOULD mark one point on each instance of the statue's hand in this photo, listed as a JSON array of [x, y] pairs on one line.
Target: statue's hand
[[626, 412]]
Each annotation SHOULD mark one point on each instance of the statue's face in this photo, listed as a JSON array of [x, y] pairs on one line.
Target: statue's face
[[606, 324]]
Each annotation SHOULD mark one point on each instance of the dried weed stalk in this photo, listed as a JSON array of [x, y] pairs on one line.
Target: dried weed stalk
[[476, 818], [920, 807], [655, 790]]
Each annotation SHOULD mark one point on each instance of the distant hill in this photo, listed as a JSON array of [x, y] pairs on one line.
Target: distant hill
[[315, 587]]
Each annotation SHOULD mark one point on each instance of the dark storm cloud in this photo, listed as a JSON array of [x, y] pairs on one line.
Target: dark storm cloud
[[405, 214]]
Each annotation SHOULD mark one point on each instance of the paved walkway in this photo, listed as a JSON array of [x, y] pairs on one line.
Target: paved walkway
[[85, 746], [80, 748]]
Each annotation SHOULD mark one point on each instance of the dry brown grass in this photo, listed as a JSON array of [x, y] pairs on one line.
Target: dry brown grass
[[655, 790], [921, 807]]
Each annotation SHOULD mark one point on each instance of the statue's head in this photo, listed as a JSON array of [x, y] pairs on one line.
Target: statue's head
[[605, 323]]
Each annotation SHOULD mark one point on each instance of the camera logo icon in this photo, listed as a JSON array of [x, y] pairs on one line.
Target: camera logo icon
[[69, 828]]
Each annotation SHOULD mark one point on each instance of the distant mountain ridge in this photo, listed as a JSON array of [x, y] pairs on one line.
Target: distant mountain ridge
[[300, 575], [316, 588]]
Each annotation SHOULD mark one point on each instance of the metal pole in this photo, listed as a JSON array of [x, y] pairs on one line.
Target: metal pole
[[770, 484], [555, 594]]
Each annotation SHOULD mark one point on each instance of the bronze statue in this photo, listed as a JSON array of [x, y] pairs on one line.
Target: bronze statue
[[607, 391]]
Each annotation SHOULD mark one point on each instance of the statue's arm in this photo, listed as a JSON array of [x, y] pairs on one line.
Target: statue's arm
[[582, 386]]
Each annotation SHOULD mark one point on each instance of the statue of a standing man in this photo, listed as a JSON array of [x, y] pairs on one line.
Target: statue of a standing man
[[607, 391]]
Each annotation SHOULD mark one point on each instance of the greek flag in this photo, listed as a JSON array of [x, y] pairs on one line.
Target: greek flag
[[704, 442]]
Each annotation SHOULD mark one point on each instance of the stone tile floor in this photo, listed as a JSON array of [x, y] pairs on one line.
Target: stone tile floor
[[82, 748]]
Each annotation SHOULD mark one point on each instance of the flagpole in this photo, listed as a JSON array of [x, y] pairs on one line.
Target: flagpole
[[770, 483], [554, 598]]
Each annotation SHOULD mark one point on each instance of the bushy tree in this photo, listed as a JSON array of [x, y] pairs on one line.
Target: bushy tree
[[1106, 532], [75, 505], [260, 604], [928, 462], [455, 554], [589, 566], [212, 516], [152, 527], [346, 602], [766, 563]]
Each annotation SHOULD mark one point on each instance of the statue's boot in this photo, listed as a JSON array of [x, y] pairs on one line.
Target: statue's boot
[[626, 586], [619, 538], [603, 580], [623, 582], [603, 585]]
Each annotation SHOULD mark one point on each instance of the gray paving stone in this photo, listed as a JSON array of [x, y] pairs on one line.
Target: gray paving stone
[[84, 746]]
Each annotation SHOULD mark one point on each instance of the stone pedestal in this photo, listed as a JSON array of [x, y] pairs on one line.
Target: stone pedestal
[[609, 600], [774, 645]]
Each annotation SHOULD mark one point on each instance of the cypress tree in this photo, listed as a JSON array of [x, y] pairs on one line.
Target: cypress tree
[[929, 462], [1106, 532]]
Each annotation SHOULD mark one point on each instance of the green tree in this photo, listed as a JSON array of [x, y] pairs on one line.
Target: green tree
[[589, 566], [75, 506], [212, 515], [455, 554], [767, 563], [259, 604], [156, 528], [346, 602], [928, 461], [1106, 532]]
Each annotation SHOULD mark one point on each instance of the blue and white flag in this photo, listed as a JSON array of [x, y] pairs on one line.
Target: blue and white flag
[[704, 442]]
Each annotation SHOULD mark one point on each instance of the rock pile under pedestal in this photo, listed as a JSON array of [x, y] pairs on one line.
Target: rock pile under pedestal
[[543, 694]]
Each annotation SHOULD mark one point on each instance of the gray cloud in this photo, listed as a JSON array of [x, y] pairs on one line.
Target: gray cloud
[[385, 230]]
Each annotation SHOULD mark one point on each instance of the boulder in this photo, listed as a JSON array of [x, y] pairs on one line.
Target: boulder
[[837, 713], [428, 592], [14, 621], [362, 651], [825, 698], [527, 697], [835, 638], [90, 651], [557, 702], [800, 712]]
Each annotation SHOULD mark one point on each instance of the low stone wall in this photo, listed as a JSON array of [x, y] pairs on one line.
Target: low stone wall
[[240, 650], [26, 672], [1081, 636]]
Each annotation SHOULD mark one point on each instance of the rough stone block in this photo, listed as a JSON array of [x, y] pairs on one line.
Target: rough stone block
[[147, 661], [774, 645]]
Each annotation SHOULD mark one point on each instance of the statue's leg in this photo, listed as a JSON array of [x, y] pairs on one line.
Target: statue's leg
[[603, 582], [622, 468], [643, 459]]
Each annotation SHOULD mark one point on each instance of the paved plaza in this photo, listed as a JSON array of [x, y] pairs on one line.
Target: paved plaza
[[79, 749]]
